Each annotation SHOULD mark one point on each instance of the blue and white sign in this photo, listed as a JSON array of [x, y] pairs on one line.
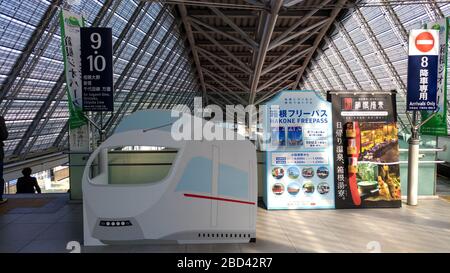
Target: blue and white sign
[[422, 69], [299, 148]]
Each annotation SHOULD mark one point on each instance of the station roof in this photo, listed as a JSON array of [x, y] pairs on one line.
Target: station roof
[[229, 51], [151, 62]]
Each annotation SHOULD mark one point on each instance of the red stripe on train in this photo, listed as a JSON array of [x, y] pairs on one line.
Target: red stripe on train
[[218, 198]]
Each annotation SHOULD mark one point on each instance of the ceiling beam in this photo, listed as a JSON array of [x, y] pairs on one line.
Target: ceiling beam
[[339, 5], [292, 65], [244, 70], [331, 68], [29, 47], [126, 34], [218, 103], [53, 93], [236, 13], [219, 45], [312, 28], [228, 43], [273, 92], [294, 57], [218, 66], [299, 44], [270, 54], [358, 55], [239, 74], [218, 79], [296, 25], [218, 4], [188, 28], [145, 73], [213, 89], [229, 22], [285, 76], [269, 25], [249, 30], [222, 80], [218, 31], [343, 62]]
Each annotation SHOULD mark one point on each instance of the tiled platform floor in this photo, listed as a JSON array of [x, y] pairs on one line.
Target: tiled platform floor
[[425, 228], [442, 185]]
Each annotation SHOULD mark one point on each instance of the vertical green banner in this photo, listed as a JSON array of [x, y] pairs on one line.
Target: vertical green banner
[[79, 141], [437, 125], [70, 42]]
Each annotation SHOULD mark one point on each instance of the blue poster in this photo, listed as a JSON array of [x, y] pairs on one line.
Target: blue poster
[[299, 168], [421, 96]]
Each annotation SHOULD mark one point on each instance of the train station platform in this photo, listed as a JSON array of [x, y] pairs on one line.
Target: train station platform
[[50, 222]]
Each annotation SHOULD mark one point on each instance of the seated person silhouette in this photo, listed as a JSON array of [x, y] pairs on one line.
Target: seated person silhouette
[[26, 183]]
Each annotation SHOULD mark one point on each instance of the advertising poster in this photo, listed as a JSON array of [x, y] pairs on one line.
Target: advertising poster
[[299, 168], [437, 125], [70, 24], [70, 42], [366, 151]]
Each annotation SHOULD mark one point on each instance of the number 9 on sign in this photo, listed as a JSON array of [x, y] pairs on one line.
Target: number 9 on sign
[[96, 62], [96, 40]]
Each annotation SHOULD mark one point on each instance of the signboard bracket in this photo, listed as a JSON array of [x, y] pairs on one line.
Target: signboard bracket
[[415, 127], [101, 130]]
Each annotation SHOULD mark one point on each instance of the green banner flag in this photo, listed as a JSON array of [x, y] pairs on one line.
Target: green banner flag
[[437, 125], [70, 42]]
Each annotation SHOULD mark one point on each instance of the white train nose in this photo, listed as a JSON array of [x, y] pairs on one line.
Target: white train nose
[[209, 195]]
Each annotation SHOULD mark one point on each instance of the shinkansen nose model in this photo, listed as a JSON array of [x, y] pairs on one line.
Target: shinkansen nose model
[[208, 196]]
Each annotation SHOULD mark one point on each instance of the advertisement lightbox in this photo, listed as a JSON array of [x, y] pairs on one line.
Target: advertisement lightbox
[[366, 151], [299, 168]]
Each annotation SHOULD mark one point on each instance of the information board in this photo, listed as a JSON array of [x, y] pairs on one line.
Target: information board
[[422, 70], [97, 69], [299, 167]]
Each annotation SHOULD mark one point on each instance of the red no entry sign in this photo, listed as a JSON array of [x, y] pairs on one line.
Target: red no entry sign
[[424, 42]]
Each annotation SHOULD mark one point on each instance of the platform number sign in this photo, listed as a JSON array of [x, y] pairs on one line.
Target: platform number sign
[[422, 69], [97, 69]]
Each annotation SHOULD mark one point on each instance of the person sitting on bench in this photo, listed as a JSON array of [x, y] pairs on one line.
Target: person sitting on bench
[[26, 183]]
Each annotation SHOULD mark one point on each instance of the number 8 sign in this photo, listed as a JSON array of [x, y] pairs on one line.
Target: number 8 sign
[[422, 70]]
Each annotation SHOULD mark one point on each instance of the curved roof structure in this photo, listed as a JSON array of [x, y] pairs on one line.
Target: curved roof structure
[[228, 51], [150, 59], [368, 49]]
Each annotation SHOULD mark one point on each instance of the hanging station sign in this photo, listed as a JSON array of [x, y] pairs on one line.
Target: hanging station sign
[[437, 125], [366, 152], [299, 168], [97, 69], [422, 70]]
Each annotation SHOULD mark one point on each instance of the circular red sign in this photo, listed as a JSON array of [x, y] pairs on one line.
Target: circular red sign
[[424, 42]]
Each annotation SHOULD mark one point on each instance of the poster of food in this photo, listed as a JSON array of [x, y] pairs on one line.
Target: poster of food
[[299, 168], [366, 152]]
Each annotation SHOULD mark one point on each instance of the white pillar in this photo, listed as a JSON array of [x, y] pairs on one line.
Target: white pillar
[[413, 171]]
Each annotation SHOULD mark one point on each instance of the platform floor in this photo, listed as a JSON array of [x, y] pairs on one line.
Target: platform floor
[[443, 185], [425, 228]]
